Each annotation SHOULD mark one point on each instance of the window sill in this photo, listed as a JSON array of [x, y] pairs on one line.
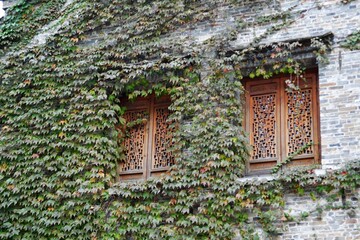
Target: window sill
[[258, 178], [270, 177]]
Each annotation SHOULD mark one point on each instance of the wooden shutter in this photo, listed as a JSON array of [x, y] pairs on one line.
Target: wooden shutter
[[136, 141], [147, 144], [280, 122], [263, 123], [161, 158], [301, 121]]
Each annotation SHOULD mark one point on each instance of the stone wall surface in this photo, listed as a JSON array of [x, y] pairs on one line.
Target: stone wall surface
[[339, 220], [339, 223], [339, 83], [339, 94]]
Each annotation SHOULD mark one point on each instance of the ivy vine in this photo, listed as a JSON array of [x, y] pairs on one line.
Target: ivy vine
[[352, 41], [60, 105]]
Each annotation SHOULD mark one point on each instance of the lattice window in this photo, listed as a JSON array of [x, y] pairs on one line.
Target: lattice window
[[162, 139], [147, 142], [264, 126], [135, 142], [280, 122], [299, 120]]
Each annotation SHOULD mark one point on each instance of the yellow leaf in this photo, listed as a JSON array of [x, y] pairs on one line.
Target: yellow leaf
[[75, 40], [62, 122], [3, 167], [61, 135], [27, 82]]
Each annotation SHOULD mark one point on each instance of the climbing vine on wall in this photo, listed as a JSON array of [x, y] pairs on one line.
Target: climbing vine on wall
[[352, 41], [25, 20], [60, 105]]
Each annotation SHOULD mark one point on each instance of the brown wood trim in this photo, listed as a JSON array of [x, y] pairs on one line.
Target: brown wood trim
[[150, 144], [131, 172], [263, 160], [164, 169], [316, 110]]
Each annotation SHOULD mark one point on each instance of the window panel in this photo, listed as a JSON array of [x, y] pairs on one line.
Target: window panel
[[135, 146], [299, 121], [147, 143], [280, 122], [264, 126], [162, 139]]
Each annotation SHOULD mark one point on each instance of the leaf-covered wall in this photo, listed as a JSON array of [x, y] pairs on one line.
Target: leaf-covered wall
[[64, 66]]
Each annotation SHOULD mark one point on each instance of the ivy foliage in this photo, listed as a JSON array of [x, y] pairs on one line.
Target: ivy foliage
[[59, 144], [25, 20], [352, 41]]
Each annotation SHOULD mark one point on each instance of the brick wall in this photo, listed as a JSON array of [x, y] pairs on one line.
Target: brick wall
[[337, 219], [340, 107], [339, 93], [335, 224]]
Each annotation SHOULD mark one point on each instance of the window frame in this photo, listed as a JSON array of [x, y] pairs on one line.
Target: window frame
[[149, 104], [281, 132]]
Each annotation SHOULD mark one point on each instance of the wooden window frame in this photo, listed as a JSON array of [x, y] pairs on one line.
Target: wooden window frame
[[149, 105], [277, 86]]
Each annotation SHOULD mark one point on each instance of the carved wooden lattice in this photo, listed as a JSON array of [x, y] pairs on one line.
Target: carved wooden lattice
[[147, 143], [264, 126], [299, 121], [162, 140], [135, 142], [281, 123]]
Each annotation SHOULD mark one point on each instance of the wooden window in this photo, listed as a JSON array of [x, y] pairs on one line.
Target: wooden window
[[280, 121], [147, 142]]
